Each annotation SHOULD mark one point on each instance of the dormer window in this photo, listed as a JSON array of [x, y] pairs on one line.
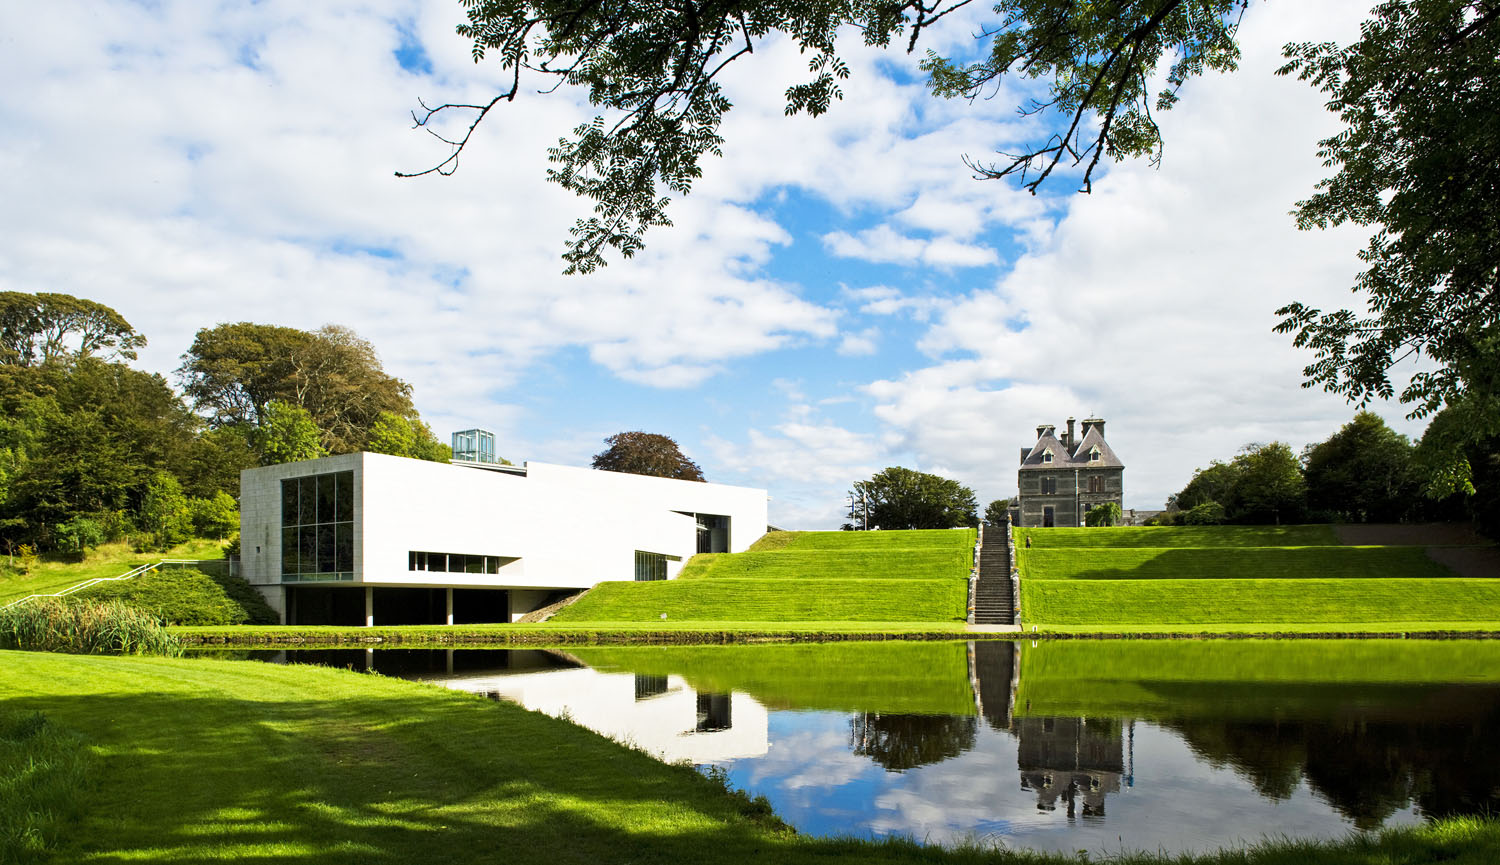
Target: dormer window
[[1047, 456], [1094, 455]]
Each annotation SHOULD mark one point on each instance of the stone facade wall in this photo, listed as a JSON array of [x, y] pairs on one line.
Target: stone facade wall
[[1069, 502]]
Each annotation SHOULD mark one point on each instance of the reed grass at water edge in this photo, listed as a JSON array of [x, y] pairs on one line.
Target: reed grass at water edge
[[81, 627]]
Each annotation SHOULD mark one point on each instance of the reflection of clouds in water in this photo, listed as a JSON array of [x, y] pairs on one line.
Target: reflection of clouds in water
[[1177, 803], [953, 800], [810, 759]]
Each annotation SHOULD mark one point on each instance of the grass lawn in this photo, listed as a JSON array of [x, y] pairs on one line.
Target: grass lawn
[[671, 631], [913, 539], [1180, 536], [1208, 563], [1259, 604], [910, 576], [1293, 680], [710, 598], [55, 573], [200, 760], [794, 564], [1247, 579]]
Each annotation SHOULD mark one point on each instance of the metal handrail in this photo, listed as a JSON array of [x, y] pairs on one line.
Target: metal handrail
[[88, 584]]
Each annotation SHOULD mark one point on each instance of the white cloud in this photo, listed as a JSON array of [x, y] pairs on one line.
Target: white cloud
[[861, 343], [882, 244]]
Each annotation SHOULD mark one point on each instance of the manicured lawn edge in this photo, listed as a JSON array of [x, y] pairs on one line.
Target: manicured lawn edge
[[708, 633]]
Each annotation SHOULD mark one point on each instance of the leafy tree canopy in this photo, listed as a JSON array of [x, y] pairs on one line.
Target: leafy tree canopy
[[997, 512], [643, 453], [287, 435], [1263, 484], [901, 498], [1419, 159], [1270, 488], [217, 516], [82, 439], [37, 328], [233, 372], [653, 69], [407, 437], [1362, 473], [164, 513]]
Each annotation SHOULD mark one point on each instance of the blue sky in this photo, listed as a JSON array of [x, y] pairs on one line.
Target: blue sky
[[837, 295]]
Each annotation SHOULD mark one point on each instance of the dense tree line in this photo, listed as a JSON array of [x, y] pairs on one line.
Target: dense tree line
[[902, 498], [92, 449], [1364, 473]]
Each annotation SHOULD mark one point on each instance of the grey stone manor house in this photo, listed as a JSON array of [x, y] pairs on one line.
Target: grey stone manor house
[[1064, 477]]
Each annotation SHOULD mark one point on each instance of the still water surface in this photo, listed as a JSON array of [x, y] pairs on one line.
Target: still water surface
[[1066, 746]]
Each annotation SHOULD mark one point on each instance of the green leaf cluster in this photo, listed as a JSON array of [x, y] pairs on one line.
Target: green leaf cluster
[[406, 437], [643, 453], [654, 68], [901, 498], [1418, 159]]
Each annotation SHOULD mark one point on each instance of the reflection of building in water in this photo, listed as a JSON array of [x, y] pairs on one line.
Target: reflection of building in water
[[715, 713], [661, 715], [1078, 760], [425, 664], [994, 668]]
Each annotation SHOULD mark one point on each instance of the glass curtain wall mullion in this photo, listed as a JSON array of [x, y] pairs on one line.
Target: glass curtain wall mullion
[[650, 567], [452, 563]]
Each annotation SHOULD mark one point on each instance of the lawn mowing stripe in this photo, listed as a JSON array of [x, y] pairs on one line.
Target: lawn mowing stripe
[[889, 600], [1144, 563], [1180, 536], [1252, 601]]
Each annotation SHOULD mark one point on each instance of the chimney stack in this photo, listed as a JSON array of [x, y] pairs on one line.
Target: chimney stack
[[1069, 442], [1094, 423]]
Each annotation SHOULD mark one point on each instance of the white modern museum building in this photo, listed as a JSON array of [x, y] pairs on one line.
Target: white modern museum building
[[373, 539]]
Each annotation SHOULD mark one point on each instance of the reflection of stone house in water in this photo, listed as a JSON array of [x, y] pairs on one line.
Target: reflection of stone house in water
[[1077, 760]]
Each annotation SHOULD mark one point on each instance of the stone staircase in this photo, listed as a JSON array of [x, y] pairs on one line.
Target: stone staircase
[[994, 596]]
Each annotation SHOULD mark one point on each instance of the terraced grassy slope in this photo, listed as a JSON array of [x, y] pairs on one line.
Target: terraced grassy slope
[[1236, 578], [1180, 537], [915, 576], [1209, 563]]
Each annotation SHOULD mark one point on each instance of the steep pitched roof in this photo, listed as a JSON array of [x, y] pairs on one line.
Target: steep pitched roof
[[1107, 457], [1033, 458]]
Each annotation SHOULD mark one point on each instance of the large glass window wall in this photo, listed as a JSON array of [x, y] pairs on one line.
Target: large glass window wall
[[317, 528], [652, 566]]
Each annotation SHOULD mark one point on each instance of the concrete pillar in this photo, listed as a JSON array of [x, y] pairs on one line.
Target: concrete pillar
[[449, 657], [369, 606], [449, 594]]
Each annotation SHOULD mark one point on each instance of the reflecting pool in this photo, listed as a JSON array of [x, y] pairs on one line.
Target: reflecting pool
[[1086, 745]]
